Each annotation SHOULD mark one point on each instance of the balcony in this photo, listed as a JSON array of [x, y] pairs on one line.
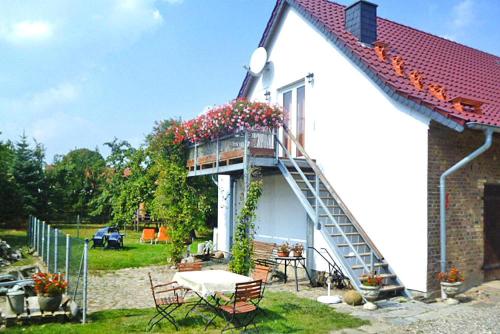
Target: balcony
[[230, 153]]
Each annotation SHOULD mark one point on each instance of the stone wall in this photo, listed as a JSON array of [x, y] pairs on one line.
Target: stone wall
[[465, 188]]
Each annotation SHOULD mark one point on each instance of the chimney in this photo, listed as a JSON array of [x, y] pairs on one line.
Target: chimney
[[361, 21]]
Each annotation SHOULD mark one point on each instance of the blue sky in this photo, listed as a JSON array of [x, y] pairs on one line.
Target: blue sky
[[78, 73]]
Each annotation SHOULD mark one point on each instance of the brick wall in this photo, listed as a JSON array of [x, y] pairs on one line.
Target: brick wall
[[465, 214]]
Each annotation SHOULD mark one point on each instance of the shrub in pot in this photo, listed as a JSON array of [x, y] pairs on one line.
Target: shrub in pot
[[284, 250], [370, 286], [451, 284], [298, 249], [49, 289]]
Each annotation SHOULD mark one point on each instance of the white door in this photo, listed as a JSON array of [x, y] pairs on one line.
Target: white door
[[292, 99]]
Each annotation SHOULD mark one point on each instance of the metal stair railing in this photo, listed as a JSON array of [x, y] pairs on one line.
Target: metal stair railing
[[313, 215], [333, 193]]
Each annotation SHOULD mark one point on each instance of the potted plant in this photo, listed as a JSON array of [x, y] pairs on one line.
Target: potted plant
[[370, 286], [49, 289], [284, 250], [298, 248], [451, 284]]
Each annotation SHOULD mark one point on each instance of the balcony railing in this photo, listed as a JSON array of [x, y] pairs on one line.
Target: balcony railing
[[231, 149]]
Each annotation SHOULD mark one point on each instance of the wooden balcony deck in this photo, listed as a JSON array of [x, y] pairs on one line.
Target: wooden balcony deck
[[227, 155]]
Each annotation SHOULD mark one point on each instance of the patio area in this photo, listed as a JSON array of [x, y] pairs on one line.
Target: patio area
[[478, 312]]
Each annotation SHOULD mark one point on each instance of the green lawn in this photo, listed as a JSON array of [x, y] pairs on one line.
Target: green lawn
[[17, 239], [285, 313], [134, 254]]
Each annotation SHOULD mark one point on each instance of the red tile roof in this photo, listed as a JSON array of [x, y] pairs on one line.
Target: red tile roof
[[452, 69]]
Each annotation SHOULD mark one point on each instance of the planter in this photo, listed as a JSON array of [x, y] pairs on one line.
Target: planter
[[16, 301], [283, 254], [297, 254], [451, 289], [370, 293], [49, 303]]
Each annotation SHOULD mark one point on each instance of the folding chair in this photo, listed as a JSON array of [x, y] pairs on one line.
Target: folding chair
[[163, 235], [148, 234], [194, 266], [240, 310], [172, 297], [261, 272]]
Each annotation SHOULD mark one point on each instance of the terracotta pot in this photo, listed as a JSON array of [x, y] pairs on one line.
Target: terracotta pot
[[283, 254], [297, 253], [370, 293], [49, 303], [451, 289]]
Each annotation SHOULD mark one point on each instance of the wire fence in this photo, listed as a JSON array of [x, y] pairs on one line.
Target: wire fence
[[62, 254]]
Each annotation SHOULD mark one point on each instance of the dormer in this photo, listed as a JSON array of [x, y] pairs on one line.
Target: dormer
[[466, 104]]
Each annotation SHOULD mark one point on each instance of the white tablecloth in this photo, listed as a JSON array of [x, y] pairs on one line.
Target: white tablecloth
[[207, 282]]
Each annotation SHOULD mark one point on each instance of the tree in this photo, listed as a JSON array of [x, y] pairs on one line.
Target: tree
[[177, 200], [10, 200], [75, 180], [28, 174]]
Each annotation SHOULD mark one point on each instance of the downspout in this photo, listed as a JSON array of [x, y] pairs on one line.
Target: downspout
[[488, 132]]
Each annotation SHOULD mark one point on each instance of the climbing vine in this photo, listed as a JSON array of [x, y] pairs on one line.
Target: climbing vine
[[241, 261]]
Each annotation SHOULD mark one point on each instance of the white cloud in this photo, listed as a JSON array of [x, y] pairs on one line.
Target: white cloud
[[462, 15], [45, 100], [26, 31], [174, 2]]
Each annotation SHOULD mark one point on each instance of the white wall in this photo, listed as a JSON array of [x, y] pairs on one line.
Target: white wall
[[372, 150], [223, 213]]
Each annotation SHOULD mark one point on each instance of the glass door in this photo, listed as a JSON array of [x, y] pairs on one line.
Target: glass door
[[294, 116]]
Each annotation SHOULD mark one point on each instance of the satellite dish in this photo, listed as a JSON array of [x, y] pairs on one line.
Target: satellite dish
[[258, 61]]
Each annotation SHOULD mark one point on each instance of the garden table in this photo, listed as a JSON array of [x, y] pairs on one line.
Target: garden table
[[206, 283], [296, 260]]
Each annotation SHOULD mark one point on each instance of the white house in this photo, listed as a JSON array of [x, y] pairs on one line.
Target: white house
[[382, 110]]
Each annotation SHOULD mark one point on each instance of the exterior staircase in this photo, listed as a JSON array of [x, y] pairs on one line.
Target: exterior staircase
[[355, 252]]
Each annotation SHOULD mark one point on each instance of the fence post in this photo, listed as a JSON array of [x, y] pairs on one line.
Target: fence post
[[56, 250], [48, 248], [85, 274], [43, 239], [68, 249], [37, 229]]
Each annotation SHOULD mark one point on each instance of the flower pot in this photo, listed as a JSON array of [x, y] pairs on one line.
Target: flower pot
[[451, 289], [49, 303], [283, 254], [297, 253], [370, 293]]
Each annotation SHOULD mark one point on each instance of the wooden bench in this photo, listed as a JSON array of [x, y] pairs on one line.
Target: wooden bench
[[264, 253]]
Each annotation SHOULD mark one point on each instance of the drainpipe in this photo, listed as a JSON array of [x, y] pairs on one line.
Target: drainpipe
[[488, 132]]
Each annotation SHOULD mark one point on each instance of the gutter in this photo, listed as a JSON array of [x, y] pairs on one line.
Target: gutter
[[488, 133]]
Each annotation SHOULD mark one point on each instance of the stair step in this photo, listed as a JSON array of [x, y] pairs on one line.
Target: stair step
[[305, 173], [391, 288], [360, 266], [346, 233], [354, 255], [340, 224], [353, 243], [333, 214], [384, 276]]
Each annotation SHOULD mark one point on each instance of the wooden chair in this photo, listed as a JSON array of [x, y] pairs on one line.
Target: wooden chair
[[167, 297], [194, 266], [163, 235], [148, 234], [240, 310]]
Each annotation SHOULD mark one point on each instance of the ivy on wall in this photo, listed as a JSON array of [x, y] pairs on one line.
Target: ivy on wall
[[242, 250]]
